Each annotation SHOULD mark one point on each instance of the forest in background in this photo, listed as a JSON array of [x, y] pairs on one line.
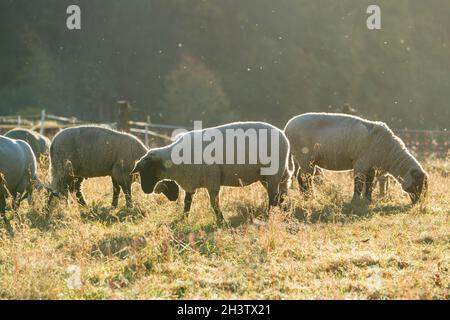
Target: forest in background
[[219, 61]]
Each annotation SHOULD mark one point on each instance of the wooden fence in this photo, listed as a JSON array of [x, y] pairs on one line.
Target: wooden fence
[[422, 143], [152, 135]]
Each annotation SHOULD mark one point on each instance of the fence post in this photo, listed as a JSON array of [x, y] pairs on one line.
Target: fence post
[[123, 116], [41, 131], [19, 121]]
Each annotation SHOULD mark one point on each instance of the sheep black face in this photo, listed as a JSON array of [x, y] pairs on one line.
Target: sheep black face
[[149, 169], [169, 188], [418, 185], [151, 172]]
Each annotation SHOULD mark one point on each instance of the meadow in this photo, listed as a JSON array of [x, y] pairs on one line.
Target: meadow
[[321, 248]]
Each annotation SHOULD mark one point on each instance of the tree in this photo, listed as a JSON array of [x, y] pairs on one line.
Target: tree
[[194, 93]]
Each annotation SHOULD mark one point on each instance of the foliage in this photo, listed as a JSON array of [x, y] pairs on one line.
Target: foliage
[[269, 59]]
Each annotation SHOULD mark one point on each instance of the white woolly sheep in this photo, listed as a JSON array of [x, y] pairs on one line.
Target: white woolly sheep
[[17, 173], [38, 143], [344, 142], [84, 152], [158, 163]]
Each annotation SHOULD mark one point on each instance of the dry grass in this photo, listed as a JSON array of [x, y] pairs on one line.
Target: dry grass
[[321, 248]]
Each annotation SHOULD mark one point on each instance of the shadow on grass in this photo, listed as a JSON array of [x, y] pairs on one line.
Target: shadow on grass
[[390, 209], [42, 220], [109, 216], [118, 245], [347, 212], [243, 215]]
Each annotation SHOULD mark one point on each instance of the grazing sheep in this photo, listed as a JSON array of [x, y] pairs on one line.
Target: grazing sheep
[[159, 164], [344, 142], [84, 152], [38, 143], [17, 172]]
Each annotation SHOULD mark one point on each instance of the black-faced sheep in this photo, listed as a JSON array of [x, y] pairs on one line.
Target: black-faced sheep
[[344, 142], [240, 158], [38, 143], [84, 152]]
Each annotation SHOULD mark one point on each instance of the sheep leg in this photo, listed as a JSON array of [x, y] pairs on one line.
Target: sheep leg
[[305, 177], [78, 194], [300, 177], [214, 200], [274, 195], [3, 214], [296, 168], [62, 188], [358, 186], [3, 205], [29, 195], [187, 202], [16, 201], [383, 185], [281, 198], [305, 183], [370, 175], [116, 193], [319, 176], [126, 189]]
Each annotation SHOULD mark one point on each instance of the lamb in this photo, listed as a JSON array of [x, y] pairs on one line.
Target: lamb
[[38, 143], [343, 142], [161, 163], [83, 152], [17, 173]]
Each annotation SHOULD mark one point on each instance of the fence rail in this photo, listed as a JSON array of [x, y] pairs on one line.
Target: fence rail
[[420, 142]]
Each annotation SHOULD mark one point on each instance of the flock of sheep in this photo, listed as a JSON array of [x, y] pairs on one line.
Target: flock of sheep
[[309, 142]]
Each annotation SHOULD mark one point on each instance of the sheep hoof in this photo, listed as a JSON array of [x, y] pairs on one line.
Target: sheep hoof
[[8, 226]]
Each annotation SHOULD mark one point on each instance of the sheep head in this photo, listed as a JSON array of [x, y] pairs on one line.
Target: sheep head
[[151, 171], [417, 184]]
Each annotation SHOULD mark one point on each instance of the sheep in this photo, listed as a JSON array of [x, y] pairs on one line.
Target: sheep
[[38, 143], [17, 173], [161, 163], [83, 152], [343, 142]]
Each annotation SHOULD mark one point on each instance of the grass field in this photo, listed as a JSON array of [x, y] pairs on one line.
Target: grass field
[[321, 248]]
